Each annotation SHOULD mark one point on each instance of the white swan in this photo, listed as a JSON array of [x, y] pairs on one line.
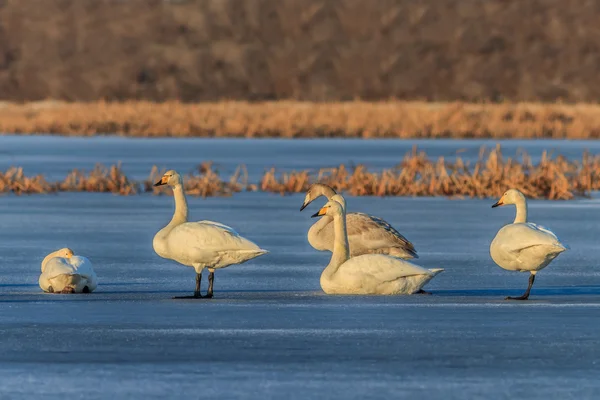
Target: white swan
[[367, 273], [64, 272], [522, 245], [366, 234], [203, 244]]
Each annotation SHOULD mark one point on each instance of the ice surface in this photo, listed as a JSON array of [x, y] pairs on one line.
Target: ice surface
[[270, 333], [55, 156]]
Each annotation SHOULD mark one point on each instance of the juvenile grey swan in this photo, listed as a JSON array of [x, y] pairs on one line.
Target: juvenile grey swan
[[366, 234]]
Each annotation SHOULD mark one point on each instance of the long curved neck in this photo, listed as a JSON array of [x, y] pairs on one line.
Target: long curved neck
[[48, 258], [181, 209], [340, 200], [340, 254], [521, 205], [327, 192], [318, 226]]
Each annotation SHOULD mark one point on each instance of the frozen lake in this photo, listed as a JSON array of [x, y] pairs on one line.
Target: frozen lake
[[55, 156], [270, 333]]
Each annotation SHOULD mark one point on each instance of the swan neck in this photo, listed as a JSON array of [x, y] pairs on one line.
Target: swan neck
[[327, 192], [181, 208], [340, 253], [521, 205], [48, 258]]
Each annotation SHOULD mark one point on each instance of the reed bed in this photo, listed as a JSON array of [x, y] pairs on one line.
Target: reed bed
[[554, 178], [293, 119]]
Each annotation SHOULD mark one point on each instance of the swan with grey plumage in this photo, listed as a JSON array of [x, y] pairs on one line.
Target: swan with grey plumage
[[366, 234]]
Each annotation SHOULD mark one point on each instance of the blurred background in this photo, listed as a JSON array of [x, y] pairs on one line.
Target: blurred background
[[317, 50]]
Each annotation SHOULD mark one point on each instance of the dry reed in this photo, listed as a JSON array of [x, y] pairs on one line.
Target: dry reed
[[290, 119], [554, 178]]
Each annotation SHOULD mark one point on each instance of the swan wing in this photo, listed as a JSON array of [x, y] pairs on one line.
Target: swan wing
[[58, 266], [375, 233], [210, 236], [515, 238], [382, 268], [83, 267]]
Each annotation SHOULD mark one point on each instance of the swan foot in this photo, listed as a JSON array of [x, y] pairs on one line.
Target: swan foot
[[50, 289], [517, 298], [421, 291], [525, 295], [85, 289], [194, 296]]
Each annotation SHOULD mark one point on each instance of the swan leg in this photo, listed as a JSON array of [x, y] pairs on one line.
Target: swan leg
[[525, 295], [211, 281], [196, 294]]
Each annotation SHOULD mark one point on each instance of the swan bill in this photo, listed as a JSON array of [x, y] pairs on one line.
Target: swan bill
[[163, 181], [303, 206], [498, 204], [320, 213]]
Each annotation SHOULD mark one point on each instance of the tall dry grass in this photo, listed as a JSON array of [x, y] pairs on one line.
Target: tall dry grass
[[554, 178], [290, 119]]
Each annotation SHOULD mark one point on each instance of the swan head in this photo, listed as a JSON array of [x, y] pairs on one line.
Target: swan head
[[171, 178], [511, 196], [65, 252], [315, 191], [332, 209]]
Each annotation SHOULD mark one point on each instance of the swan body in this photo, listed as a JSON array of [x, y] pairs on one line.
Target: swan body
[[203, 244], [523, 246], [367, 234], [64, 272], [378, 274]]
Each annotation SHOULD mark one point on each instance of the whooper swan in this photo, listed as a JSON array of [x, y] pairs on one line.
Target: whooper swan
[[366, 234], [203, 244], [367, 273], [64, 272], [523, 246]]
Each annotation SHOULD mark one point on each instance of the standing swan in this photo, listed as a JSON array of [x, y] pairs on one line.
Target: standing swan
[[64, 272], [367, 273], [203, 244], [523, 246], [366, 234]]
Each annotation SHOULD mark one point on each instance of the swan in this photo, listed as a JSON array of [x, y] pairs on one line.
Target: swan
[[366, 234], [523, 246], [367, 273], [64, 272], [203, 244]]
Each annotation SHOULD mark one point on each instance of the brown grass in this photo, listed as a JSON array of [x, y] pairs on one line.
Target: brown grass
[[15, 181], [554, 178], [290, 119]]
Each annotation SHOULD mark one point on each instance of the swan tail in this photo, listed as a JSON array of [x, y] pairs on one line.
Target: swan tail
[[241, 256], [68, 283], [435, 271]]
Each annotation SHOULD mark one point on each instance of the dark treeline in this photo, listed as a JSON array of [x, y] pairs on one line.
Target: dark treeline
[[197, 50]]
